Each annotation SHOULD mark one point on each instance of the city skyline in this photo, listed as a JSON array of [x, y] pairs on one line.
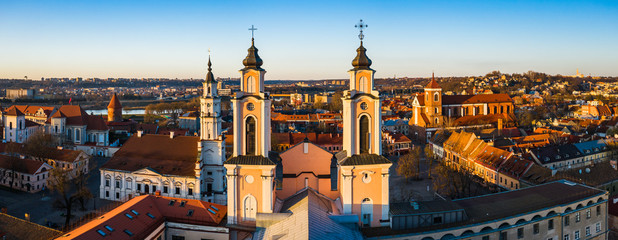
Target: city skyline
[[306, 41]]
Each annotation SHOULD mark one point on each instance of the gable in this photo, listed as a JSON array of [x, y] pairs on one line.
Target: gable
[[316, 159]]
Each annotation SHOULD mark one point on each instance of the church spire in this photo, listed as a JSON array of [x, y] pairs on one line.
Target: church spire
[[253, 60], [209, 76]]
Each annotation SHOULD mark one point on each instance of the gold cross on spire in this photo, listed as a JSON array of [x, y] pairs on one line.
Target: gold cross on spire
[[360, 25]]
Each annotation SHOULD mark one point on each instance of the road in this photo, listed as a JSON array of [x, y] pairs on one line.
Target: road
[[39, 205]]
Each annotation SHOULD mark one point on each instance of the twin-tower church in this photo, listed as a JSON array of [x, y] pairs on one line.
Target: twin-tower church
[[261, 188]]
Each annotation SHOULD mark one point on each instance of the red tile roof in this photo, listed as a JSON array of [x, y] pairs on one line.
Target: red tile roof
[[114, 102], [26, 165], [432, 83], [161, 153], [470, 99], [13, 111], [147, 213]]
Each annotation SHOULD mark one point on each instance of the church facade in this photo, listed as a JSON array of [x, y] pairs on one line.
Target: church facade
[[267, 189], [433, 110]]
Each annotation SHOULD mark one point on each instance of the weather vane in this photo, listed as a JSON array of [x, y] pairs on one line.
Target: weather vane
[[252, 29], [360, 25]]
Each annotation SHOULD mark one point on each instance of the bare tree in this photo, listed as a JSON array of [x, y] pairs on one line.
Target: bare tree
[[60, 183], [429, 156], [408, 165], [38, 145]]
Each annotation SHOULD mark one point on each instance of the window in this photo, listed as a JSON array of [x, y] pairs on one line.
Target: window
[[128, 232], [566, 237], [190, 213], [209, 187], [177, 190], [364, 106], [135, 212], [190, 191], [117, 184], [588, 214], [164, 189], [117, 195], [107, 194], [567, 220], [182, 203], [550, 224], [209, 173], [436, 97], [139, 187], [520, 233], [598, 210], [150, 215], [174, 237], [503, 236], [485, 238], [109, 228], [129, 216], [437, 220], [576, 235], [101, 232], [107, 182], [250, 136], [364, 134], [154, 188], [588, 231], [535, 228], [577, 218], [598, 227]]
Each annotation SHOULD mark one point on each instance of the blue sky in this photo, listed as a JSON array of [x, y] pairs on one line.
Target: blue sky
[[305, 39]]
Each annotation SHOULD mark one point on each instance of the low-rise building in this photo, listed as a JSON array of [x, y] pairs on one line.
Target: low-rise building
[[23, 174], [156, 217]]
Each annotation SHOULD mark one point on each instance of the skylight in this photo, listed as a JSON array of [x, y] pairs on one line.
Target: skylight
[[182, 203], [109, 228], [211, 211], [172, 202], [213, 207], [128, 232], [129, 216], [135, 212], [101, 232], [150, 215], [190, 213]]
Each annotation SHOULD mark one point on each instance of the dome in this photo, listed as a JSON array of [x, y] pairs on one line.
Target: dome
[[361, 61], [253, 60]]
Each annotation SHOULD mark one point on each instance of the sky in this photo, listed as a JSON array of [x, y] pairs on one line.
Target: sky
[[304, 40]]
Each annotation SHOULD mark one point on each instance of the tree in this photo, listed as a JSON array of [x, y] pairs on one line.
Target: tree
[[38, 144], [429, 155], [60, 182], [408, 165], [336, 105]]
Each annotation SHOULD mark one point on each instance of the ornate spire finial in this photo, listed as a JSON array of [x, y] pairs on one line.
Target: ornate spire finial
[[209, 64], [252, 29], [360, 25]]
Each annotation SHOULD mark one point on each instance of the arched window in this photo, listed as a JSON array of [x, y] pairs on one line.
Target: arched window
[[363, 84], [437, 121], [364, 134], [436, 97], [250, 136], [250, 84], [437, 111]]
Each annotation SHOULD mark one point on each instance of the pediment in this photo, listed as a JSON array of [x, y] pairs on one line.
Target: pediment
[[147, 171]]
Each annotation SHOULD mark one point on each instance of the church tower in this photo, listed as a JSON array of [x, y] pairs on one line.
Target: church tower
[[363, 171], [433, 102], [212, 144], [362, 109], [250, 171], [114, 110]]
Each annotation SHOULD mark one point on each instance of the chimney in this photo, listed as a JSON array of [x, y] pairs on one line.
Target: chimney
[[139, 133], [172, 134], [158, 193]]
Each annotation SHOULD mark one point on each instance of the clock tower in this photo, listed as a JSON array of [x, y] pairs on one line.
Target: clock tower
[[212, 144]]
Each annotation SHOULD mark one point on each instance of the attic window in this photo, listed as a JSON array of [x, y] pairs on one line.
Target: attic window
[[101, 232], [129, 216], [213, 207], [135, 212], [150, 215], [182, 203], [109, 228], [190, 213], [172, 202], [211, 211], [128, 232]]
